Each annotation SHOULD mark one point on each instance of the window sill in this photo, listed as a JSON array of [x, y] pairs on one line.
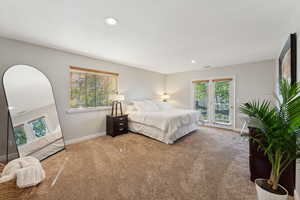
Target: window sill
[[223, 123], [85, 110]]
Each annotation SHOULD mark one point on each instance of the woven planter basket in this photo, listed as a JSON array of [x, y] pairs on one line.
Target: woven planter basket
[[10, 191]]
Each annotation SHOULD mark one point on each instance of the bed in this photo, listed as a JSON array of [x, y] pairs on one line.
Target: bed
[[158, 120]]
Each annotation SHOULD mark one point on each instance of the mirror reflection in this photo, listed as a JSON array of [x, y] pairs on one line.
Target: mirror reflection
[[33, 112]]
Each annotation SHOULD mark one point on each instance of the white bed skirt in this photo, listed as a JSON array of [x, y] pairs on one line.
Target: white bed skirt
[[158, 134]]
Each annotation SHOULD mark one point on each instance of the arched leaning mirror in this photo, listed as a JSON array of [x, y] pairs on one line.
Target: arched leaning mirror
[[33, 112]]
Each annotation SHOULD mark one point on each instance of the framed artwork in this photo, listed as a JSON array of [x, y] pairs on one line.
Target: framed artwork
[[288, 60]]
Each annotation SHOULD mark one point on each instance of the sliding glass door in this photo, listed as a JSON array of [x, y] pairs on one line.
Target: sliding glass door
[[222, 101], [215, 101], [201, 98]]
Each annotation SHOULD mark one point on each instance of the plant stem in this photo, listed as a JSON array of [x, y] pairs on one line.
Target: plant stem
[[276, 170]]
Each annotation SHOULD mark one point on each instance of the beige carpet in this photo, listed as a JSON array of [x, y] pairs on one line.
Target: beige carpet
[[209, 164]]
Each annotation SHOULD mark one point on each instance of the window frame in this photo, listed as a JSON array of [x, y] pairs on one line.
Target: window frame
[[211, 79], [214, 81], [89, 71], [208, 98]]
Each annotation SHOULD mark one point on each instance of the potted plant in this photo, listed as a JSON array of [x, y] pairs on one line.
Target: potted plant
[[278, 127]]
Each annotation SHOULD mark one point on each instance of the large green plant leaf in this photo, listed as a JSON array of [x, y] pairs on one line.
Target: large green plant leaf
[[279, 125]]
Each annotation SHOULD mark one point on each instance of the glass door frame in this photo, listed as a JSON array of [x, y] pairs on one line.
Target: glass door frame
[[211, 90]]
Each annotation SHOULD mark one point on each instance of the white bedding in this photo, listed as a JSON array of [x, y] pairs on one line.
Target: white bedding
[[168, 121]]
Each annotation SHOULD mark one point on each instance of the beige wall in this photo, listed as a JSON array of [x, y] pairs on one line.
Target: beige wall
[[253, 81], [134, 83]]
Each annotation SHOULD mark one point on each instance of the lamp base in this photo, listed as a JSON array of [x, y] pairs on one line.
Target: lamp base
[[114, 108]]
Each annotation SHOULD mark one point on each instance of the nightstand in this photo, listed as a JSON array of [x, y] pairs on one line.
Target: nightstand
[[116, 125]]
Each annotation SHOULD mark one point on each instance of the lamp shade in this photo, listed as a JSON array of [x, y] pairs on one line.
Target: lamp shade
[[165, 96], [120, 97]]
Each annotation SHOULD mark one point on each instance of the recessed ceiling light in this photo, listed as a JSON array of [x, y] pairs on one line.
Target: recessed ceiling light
[[111, 21], [193, 61]]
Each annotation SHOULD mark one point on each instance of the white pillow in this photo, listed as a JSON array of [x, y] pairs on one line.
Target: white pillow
[[163, 105], [152, 105], [146, 106], [130, 108]]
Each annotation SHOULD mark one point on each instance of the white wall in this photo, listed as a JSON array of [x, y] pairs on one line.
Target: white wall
[[134, 83], [253, 81], [294, 27]]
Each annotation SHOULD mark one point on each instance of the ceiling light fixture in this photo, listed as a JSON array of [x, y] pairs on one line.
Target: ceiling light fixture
[[111, 21], [193, 61]]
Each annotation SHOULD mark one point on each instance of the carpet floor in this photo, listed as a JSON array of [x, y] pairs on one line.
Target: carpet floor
[[209, 164]]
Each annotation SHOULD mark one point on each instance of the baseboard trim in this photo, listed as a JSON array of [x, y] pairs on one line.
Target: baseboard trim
[[296, 195], [84, 138], [67, 142], [237, 130]]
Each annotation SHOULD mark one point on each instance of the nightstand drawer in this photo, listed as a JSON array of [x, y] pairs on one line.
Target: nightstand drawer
[[121, 129], [120, 123], [121, 119]]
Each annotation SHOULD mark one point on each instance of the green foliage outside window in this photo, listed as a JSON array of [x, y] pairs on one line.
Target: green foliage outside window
[[39, 127], [91, 90], [20, 135], [222, 101], [201, 99]]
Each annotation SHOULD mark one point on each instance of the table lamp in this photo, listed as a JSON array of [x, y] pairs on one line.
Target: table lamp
[[117, 101], [165, 97]]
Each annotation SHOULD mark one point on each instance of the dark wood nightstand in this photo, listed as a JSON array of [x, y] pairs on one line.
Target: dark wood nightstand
[[116, 125]]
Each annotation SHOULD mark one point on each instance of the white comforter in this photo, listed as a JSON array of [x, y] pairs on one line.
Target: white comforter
[[167, 120]]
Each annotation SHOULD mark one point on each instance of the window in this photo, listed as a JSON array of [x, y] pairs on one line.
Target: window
[[91, 88], [201, 98], [214, 99], [222, 104], [20, 135], [39, 127]]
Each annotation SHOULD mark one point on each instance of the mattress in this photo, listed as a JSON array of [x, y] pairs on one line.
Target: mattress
[[159, 134]]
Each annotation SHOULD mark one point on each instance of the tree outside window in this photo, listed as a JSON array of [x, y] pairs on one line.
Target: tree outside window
[[91, 89], [222, 108], [39, 127], [201, 99], [20, 135]]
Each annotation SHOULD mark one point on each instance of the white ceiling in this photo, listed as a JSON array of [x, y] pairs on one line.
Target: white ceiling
[[158, 35]]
